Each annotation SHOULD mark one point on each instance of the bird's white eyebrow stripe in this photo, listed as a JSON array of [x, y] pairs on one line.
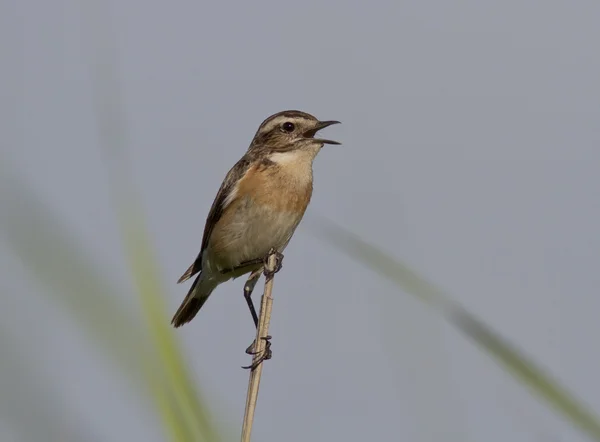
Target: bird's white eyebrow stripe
[[276, 121]]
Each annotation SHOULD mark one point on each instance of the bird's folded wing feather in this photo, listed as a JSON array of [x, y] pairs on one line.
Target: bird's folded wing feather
[[224, 198]]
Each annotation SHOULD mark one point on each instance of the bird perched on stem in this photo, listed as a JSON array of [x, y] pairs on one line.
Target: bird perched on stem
[[257, 209]]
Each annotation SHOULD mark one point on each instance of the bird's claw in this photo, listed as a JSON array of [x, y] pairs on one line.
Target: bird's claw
[[250, 349], [265, 354], [278, 264]]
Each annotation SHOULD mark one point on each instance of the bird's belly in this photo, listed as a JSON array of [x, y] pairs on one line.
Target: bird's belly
[[250, 232]]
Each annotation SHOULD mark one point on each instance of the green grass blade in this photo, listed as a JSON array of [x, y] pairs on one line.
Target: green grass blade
[[145, 271], [67, 272], [113, 131], [523, 368]]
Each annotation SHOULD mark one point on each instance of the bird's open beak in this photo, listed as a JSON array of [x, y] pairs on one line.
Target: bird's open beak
[[322, 125]]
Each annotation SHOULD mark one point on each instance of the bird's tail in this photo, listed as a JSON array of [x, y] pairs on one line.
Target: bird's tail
[[195, 299]]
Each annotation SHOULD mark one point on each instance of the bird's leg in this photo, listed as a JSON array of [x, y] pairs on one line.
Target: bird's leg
[[248, 289], [252, 280]]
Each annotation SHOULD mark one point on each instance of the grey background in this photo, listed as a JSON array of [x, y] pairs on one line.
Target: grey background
[[471, 151]]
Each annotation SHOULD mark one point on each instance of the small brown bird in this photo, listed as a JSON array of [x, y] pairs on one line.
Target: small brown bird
[[257, 209]]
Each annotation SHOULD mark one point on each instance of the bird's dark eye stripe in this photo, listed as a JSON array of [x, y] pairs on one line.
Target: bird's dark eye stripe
[[288, 126]]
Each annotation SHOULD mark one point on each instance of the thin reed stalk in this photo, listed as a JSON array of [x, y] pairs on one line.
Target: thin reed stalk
[[262, 331]]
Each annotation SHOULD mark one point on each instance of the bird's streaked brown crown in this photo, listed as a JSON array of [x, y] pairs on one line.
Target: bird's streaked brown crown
[[288, 130]]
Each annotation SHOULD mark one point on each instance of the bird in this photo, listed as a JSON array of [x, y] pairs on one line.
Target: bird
[[257, 209]]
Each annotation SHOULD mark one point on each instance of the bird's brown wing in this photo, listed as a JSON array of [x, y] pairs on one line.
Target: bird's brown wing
[[216, 211]]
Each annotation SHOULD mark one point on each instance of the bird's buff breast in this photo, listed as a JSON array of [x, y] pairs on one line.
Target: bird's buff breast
[[265, 212]]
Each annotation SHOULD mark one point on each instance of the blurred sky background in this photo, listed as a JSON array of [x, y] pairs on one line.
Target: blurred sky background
[[471, 150]]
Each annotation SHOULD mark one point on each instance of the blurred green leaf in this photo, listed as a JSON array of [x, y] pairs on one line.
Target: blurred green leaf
[[189, 411], [66, 271], [145, 272], [514, 361]]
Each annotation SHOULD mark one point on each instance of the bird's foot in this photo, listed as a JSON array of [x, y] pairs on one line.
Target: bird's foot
[[278, 264], [264, 355]]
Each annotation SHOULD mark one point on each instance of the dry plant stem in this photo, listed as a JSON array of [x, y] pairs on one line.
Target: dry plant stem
[[262, 331]]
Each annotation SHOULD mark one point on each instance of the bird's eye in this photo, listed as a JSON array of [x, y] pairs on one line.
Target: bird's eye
[[288, 127]]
